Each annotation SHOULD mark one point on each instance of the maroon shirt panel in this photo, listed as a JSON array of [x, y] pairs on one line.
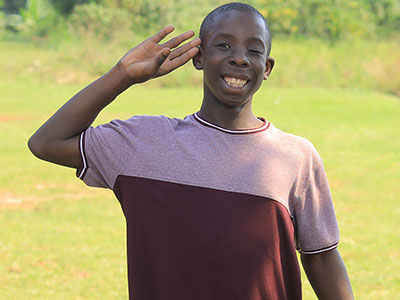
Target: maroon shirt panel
[[189, 242]]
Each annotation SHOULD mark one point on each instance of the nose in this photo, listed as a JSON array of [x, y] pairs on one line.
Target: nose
[[239, 58]]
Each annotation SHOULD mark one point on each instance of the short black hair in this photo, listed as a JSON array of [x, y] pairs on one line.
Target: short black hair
[[209, 20]]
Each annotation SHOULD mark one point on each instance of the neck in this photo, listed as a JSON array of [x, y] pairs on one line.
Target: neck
[[234, 118]]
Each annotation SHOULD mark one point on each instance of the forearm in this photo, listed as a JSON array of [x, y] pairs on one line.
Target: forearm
[[77, 114], [327, 275], [58, 139]]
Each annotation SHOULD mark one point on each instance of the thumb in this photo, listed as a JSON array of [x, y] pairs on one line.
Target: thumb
[[162, 56]]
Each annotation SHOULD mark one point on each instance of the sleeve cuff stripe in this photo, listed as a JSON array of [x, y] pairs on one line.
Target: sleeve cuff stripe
[[82, 151], [320, 250]]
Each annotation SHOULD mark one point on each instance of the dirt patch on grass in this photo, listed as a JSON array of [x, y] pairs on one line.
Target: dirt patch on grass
[[42, 192], [9, 200], [11, 118], [71, 76]]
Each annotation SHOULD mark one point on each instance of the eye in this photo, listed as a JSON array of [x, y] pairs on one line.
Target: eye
[[223, 46], [254, 51]]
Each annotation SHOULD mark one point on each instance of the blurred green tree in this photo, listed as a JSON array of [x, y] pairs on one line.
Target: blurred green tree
[[386, 14], [13, 6], [38, 18], [331, 20], [95, 20], [65, 7]]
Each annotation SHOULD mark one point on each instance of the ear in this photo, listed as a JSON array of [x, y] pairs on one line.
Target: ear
[[198, 59], [269, 64]]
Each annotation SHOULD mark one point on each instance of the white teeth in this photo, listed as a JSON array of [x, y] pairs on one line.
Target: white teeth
[[235, 82]]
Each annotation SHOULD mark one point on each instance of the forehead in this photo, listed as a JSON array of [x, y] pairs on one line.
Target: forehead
[[238, 24]]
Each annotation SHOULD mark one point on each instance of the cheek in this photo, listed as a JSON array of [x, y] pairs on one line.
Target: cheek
[[211, 68], [260, 69]]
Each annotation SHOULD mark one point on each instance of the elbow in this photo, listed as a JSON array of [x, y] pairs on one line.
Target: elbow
[[36, 147]]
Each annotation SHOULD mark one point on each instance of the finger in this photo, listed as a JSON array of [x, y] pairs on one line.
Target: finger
[[182, 49], [162, 34], [172, 43], [169, 65], [162, 56], [183, 59]]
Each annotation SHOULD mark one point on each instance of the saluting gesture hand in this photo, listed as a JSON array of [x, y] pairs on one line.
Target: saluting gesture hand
[[151, 59]]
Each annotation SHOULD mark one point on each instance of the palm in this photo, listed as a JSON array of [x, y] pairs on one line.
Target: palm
[[151, 59]]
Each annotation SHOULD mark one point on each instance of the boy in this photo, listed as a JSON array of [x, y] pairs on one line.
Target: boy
[[216, 203]]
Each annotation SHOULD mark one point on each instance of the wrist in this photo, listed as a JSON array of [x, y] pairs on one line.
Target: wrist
[[121, 75]]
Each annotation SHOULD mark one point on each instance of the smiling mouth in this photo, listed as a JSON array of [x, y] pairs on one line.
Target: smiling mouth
[[235, 82]]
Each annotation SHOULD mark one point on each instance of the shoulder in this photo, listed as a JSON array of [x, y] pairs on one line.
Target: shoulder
[[141, 121], [294, 146], [141, 125], [160, 120], [161, 124]]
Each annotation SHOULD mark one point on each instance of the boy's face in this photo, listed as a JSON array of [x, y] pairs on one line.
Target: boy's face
[[234, 58]]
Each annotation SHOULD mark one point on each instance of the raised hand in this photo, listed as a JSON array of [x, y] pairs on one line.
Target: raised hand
[[151, 59]]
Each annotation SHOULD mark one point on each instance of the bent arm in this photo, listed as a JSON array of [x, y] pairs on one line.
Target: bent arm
[[328, 276], [57, 140]]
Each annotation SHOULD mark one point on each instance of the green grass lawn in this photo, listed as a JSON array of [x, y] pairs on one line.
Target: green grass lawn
[[62, 240]]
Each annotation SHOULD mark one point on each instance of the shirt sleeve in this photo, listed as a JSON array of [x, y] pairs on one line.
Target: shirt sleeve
[[314, 215], [105, 151]]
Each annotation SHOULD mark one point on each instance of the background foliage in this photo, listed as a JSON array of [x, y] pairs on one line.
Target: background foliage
[[332, 43], [330, 19]]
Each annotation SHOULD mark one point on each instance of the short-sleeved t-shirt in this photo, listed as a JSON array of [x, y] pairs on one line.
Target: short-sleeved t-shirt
[[212, 213]]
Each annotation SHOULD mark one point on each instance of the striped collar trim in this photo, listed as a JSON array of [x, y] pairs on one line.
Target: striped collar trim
[[231, 131]]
